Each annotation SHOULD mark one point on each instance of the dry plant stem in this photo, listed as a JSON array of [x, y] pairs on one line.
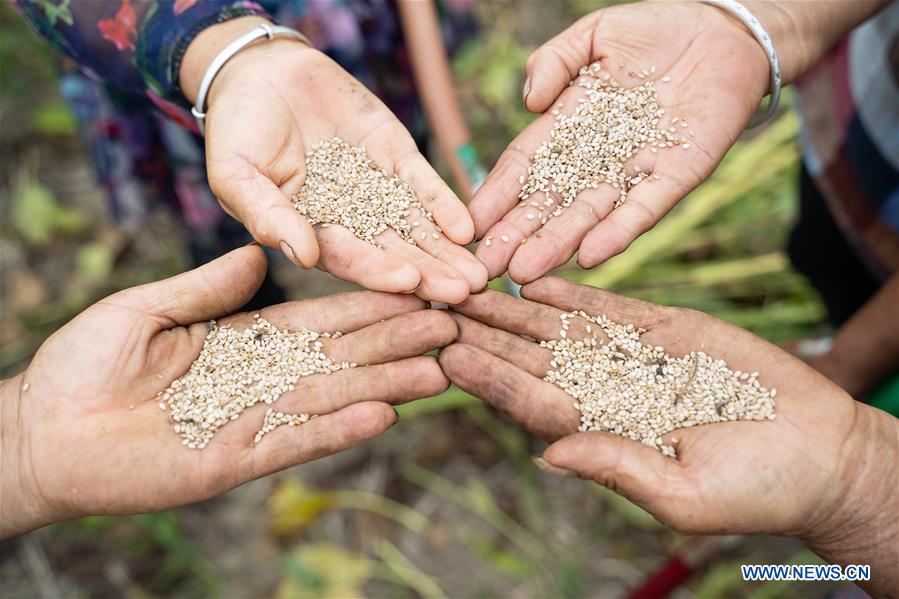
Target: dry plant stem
[[344, 187], [640, 392], [238, 369], [591, 146]]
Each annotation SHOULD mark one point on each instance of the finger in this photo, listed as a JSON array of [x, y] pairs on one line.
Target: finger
[[349, 258], [439, 281], [499, 214], [210, 291], [503, 239], [290, 445], [431, 240], [555, 63], [646, 204], [399, 337], [436, 196], [391, 147], [318, 395], [345, 312], [523, 317], [557, 241], [394, 382], [538, 406], [569, 297], [266, 212], [636, 471], [527, 355]]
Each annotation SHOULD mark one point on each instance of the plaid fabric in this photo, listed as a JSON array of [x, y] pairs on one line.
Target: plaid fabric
[[850, 110]]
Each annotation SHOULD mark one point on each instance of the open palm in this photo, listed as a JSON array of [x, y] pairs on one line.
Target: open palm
[[275, 101], [718, 74], [779, 476], [93, 435]]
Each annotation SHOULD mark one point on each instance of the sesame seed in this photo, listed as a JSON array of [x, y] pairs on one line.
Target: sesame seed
[[504, 238], [591, 146], [26, 387], [345, 187], [238, 369], [638, 391]]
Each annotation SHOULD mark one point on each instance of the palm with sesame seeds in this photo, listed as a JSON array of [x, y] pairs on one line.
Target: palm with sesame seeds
[[640, 102], [99, 402], [610, 392], [301, 100]]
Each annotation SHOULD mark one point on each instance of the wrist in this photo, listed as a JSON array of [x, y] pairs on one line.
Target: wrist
[[22, 507], [204, 48], [858, 522]]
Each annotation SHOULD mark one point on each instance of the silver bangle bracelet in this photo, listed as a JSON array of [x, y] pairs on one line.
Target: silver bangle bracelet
[[764, 39], [263, 30]]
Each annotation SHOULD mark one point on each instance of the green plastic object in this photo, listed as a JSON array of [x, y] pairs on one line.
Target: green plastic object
[[886, 397], [472, 163]]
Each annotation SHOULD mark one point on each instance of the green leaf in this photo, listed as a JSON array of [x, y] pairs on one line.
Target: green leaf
[[53, 120], [323, 570], [94, 261], [37, 216]]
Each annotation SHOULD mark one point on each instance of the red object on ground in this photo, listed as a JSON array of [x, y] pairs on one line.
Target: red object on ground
[[665, 580]]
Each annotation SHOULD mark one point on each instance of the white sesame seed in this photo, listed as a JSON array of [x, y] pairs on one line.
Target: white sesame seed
[[345, 187], [238, 369], [638, 391], [504, 238]]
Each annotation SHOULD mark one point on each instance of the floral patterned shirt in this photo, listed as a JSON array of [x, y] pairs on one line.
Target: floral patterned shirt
[[134, 120]]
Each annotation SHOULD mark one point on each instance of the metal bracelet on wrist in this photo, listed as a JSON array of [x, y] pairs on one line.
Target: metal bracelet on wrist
[[263, 30], [764, 39]]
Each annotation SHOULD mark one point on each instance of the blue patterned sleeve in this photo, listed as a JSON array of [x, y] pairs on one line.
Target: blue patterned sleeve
[[136, 45]]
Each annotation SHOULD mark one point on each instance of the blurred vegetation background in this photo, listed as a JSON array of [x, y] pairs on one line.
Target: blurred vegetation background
[[446, 503]]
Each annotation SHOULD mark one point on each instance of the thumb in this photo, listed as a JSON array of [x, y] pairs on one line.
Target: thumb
[[627, 467], [555, 63], [210, 291], [269, 215]]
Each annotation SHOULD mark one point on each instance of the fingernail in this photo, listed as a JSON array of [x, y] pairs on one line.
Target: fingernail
[[411, 291], [526, 90], [288, 251], [554, 470], [256, 243], [395, 422]]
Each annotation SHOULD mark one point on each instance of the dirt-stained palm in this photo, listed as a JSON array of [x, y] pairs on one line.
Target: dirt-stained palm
[[718, 74], [272, 103], [92, 439], [789, 475]]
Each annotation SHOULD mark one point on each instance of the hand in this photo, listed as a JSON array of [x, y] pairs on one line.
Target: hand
[[86, 436], [718, 73], [826, 468], [269, 105]]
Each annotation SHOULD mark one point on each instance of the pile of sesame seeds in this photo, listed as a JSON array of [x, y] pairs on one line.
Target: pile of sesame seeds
[[345, 187], [590, 146], [640, 392], [238, 369], [274, 419]]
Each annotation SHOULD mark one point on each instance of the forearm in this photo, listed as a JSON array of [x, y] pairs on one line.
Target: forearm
[[136, 45], [203, 49], [803, 30], [862, 526], [866, 349], [21, 507]]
